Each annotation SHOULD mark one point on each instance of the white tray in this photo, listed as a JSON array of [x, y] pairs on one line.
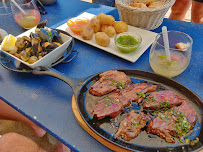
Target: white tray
[[148, 38]]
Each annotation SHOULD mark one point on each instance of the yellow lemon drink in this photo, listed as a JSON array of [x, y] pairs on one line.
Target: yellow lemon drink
[[28, 20], [162, 66]]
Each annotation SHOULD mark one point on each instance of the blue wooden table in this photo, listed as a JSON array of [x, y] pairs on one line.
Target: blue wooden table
[[49, 100]]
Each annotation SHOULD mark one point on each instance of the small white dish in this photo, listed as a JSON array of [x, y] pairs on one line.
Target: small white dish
[[51, 57], [148, 38]]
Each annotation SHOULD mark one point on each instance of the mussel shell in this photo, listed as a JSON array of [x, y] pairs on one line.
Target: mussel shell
[[42, 24], [25, 55], [26, 38]]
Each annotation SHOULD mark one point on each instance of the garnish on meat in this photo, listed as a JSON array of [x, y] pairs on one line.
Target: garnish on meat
[[131, 126], [177, 122], [109, 81], [162, 99], [116, 102]]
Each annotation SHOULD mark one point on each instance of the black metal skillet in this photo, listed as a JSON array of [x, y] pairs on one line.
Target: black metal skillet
[[106, 128], [13, 65]]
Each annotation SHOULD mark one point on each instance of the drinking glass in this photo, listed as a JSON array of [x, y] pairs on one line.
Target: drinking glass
[[179, 56], [31, 15]]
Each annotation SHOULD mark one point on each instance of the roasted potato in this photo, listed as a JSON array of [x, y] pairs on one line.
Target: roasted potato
[[100, 16], [87, 32], [120, 26], [107, 20], [102, 39], [95, 24], [109, 30]]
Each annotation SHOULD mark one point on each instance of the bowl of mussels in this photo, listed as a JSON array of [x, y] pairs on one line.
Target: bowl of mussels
[[40, 46]]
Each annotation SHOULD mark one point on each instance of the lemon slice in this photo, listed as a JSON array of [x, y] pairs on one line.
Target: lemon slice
[[30, 17], [8, 43]]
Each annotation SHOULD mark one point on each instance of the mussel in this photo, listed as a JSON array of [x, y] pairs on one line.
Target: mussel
[[42, 24]]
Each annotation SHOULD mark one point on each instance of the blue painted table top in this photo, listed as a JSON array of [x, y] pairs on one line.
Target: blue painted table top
[[49, 99]]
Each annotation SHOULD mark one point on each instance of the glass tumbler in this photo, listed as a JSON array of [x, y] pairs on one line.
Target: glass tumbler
[[180, 48], [29, 17]]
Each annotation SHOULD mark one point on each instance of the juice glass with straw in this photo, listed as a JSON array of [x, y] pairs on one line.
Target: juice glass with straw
[[173, 59], [25, 13]]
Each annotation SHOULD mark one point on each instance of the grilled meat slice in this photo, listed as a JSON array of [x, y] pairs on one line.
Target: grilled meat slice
[[108, 82], [162, 127], [189, 112], [175, 122], [131, 126], [109, 106], [163, 99], [135, 92], [116, 102]]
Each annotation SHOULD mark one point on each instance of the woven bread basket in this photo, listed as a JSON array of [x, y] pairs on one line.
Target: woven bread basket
[[145, 18]]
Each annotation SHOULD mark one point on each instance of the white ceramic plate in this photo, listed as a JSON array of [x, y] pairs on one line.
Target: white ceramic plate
[[148, 38], [51, 57]]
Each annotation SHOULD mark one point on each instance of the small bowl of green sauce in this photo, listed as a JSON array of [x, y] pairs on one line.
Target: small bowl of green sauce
[[128, 42]]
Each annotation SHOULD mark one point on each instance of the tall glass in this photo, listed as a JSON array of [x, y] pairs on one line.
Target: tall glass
[[180, 47], [31, 15]]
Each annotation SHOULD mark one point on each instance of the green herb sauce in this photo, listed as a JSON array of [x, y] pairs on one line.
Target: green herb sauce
[[127, 40]]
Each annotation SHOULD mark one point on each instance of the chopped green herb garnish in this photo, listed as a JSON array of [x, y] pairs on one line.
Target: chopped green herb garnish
[[39, 38], [117, 100], [141, 95], [108, 101], [120, 85], [164, 104], [111, 84], [181, 141], [106, 79], [182, 124], [193, 142], [134, 123], [155, 106], [101, 86], [153, 99]]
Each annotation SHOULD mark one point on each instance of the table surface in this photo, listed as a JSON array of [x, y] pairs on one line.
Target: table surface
[[49, 100]]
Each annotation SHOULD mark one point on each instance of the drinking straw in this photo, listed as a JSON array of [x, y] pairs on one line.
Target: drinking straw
[[166, 42], [18, 7]]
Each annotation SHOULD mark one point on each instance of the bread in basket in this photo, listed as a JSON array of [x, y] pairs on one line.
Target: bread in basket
[[145, 18]]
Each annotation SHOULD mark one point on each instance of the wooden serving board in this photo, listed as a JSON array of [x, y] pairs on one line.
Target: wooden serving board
[[91, 132]]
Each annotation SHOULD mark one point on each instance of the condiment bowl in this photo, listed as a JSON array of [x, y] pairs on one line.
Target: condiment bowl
[[76, 24], [128, 42]]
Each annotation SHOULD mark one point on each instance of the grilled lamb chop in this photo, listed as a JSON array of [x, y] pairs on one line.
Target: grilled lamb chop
[[116, 102], [163, 99], [108, 82], [175, 122], [131, 126]]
